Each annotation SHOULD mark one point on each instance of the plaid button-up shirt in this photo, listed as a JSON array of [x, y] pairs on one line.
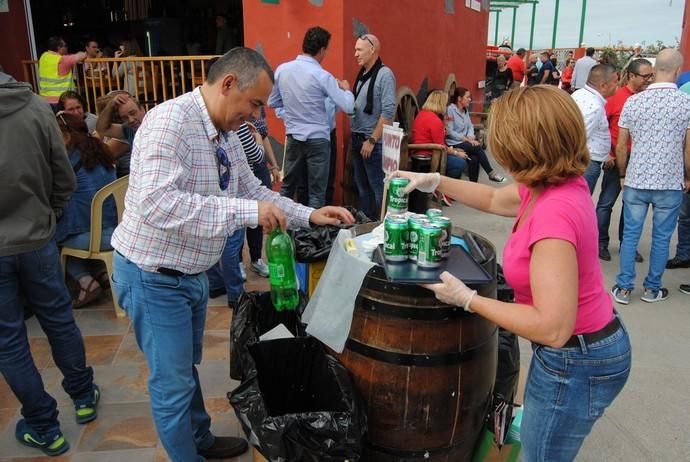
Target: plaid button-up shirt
[[176, 216]]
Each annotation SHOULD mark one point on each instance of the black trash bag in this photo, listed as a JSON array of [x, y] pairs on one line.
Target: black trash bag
[[508, 369], [253, 316], [504, 292], [314, 244], [299, 404]]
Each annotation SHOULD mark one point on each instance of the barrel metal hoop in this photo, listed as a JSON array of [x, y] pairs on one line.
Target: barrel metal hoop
[[410, 312], [422, 360]]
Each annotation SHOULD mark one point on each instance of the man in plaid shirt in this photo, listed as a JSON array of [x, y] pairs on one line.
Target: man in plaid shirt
[[190, 187]]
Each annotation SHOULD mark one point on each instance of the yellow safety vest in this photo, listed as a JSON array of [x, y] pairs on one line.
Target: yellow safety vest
[[50, 82]]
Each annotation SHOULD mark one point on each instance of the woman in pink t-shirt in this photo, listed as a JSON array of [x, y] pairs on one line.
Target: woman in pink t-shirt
[[581, 351]]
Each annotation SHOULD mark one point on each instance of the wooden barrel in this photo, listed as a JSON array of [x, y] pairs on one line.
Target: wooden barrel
[[425, 369]]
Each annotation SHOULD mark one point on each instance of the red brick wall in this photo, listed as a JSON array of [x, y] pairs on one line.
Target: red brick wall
[[15, 46]]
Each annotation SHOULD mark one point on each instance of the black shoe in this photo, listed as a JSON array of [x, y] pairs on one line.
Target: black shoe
[[685, 288], [676, 262], [225, 447], [638, 257], [217, 292], [604, 254]]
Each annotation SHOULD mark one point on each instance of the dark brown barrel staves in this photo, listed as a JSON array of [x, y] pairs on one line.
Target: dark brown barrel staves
[[425, 370]]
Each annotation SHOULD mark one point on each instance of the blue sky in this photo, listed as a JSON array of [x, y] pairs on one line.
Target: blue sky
[[628, 21]]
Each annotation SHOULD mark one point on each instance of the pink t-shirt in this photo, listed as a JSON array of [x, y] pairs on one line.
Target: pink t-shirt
[[561, 212]]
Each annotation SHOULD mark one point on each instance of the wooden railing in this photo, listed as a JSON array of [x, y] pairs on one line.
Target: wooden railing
[[151, 80]]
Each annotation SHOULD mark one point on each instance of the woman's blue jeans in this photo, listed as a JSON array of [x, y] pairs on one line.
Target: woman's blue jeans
[[78, 267], [168, 315], [567, 390]]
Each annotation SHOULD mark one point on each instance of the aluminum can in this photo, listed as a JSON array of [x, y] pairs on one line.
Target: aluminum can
[[415, 223], [446, 226], [430, 252], [397, 199], [395, 238], [431, 213]]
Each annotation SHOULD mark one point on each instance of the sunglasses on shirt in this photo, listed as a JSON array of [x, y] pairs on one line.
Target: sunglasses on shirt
[[224, 162]]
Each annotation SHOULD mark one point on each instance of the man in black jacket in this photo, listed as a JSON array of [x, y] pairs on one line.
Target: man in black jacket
[[36, 181]]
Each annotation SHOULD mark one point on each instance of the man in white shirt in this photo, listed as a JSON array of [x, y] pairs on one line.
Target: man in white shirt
[[591, 100], [582, 68]]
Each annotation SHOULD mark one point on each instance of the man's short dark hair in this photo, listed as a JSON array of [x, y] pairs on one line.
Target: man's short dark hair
[[636, 64], [589, 51], [315, 39], [520, 52], [54, 42], [89, 40], [245, 63], [600, 73]]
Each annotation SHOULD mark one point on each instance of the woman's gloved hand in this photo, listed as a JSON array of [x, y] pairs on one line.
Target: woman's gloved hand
[[425, 182], [452, 291]]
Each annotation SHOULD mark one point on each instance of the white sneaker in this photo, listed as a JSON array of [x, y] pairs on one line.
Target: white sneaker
[[243, 273], [260, 268]]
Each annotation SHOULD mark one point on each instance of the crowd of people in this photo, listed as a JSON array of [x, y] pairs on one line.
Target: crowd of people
[[201, 168]]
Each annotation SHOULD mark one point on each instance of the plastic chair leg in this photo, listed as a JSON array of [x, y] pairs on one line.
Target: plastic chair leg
[[119, 312]]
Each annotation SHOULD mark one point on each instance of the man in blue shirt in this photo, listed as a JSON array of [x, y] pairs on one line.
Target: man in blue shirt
[[546, 71], [301, 88]]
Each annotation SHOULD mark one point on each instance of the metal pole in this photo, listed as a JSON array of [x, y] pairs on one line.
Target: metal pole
[[555, 25], [498, 15], [582, 23], [531, 29], [512, 34]]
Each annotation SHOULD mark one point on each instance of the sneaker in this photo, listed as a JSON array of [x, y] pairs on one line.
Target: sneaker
[[445, 200], [685, 288], [638, 257], [260, 268], [243, 273], [604, 254], [621, 295], [654, 295], [52, 446], [86, 408], [493, 176]]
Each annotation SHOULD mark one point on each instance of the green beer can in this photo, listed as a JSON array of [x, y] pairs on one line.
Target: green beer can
[[397, 198], [430, 252], [431, 213], [415, 223], [395, 238], [446, 227]]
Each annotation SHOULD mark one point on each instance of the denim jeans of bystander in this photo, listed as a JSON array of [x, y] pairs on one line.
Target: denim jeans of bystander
[[369, 176], [37, 275], [308, 159], [665, 208]]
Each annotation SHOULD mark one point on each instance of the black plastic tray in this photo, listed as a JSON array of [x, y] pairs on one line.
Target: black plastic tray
[[459, 263]]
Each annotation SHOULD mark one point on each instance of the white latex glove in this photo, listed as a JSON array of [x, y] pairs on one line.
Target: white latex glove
[[452, 291], [425, 182]]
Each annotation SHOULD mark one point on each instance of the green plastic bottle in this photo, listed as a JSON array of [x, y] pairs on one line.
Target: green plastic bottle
[[281, 271]]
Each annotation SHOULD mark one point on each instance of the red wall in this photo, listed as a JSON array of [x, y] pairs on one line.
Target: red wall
[[419, 40], [685, 37], [15, 45]]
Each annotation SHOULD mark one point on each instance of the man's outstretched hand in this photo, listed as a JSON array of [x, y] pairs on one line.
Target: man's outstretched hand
[[331, 215]]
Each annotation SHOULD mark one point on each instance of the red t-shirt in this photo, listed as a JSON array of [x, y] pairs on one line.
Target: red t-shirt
[[614, 107], [567, 75], [428, 128], [562, 212], [517, 65]]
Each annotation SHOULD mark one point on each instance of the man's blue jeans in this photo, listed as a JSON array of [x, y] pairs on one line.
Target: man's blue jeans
[[37, 276], [567, 390], [665, 207], [168, 315], [592, 174], [610, 189], [308, 159], [683, 248], [369, 176]]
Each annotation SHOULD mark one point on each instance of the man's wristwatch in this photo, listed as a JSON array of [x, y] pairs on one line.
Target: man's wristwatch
[[371, 140]]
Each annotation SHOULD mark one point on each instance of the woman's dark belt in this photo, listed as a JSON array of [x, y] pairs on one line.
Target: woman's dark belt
[[593, 337]]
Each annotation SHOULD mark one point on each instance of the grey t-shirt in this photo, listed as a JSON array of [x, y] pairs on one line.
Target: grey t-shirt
[[384, 102]]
